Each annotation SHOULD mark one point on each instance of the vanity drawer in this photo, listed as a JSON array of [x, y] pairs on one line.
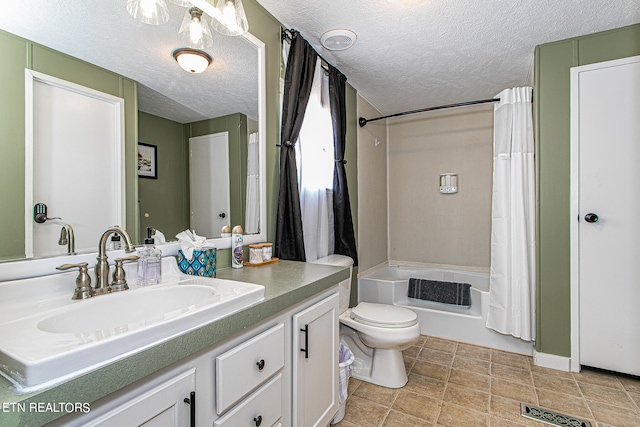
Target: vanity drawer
[[264, 407], [245, 367]]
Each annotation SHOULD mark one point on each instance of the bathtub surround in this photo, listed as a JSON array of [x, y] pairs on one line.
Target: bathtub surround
[[372, 183], [513, 279], [424, 225]]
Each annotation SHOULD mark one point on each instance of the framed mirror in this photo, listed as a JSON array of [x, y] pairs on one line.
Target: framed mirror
[[164, 107]]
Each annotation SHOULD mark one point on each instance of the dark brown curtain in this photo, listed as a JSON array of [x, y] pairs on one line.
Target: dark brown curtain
[[345, 241], [297, 89]]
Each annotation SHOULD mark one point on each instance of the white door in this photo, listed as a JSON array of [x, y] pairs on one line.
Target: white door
[[315, 364], [74, 163], [607, 123], [209, 183]]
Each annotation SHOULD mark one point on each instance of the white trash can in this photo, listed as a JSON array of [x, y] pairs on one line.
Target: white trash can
[[345, 360]]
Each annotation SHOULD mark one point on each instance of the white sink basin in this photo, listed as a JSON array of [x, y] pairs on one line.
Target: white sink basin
[[134, 310], [45, 341]]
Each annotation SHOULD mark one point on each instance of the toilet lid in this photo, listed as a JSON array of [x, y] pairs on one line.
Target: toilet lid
[[383, 315]]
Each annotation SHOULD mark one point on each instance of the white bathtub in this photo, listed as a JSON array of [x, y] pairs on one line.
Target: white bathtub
[[389, 285]]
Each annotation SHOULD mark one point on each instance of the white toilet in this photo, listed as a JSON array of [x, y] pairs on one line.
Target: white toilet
[[375, 333]]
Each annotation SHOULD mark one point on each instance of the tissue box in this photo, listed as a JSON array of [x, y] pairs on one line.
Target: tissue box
[[202, 264]]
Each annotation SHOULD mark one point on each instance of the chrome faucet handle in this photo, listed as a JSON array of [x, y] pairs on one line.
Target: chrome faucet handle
[[83, 281], [119, 282]]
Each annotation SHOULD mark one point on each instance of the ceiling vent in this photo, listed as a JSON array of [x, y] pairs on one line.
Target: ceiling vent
[[338, 39]]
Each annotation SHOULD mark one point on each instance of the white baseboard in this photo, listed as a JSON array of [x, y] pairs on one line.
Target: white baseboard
[[552, 361]]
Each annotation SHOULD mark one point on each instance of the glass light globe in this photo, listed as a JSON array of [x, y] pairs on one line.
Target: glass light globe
[[232, 20], [152, 12], [195, 31]]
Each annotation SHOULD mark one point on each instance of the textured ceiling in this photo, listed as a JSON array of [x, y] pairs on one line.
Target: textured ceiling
[[410, 54], [101, 32], [413, 54]]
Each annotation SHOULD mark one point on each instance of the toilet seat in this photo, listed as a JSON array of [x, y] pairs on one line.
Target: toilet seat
[[383, 315]]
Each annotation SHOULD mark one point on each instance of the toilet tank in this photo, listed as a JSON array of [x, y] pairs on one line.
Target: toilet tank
[[344, 287]]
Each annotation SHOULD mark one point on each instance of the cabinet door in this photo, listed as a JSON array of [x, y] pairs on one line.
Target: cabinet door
[[162, 406], [315, 364]]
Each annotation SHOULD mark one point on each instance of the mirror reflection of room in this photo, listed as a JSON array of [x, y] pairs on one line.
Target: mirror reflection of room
[[162, 107]]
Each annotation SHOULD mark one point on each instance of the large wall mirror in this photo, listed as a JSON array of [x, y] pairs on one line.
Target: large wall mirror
[[165, 108]]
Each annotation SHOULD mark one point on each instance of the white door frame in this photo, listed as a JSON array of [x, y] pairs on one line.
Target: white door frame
[[31, 77], [575, 202]]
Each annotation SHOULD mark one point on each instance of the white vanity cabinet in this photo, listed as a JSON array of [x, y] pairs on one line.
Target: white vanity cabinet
[[163, 405], [258, 377], [315, 363]]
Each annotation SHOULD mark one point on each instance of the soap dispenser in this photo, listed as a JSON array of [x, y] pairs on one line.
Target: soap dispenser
[[115, 244], [150, 262]]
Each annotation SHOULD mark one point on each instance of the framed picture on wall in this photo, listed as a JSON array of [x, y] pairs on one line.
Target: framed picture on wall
[[147, 161]]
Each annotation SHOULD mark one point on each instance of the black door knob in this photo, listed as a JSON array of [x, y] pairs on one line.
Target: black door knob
[[222, 215], [591, 217]]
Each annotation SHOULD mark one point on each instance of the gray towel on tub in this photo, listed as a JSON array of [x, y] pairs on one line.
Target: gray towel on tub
[[443, 292]]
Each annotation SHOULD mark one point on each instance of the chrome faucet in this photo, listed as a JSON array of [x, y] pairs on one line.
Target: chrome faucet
[[102, 266], [67, 238]]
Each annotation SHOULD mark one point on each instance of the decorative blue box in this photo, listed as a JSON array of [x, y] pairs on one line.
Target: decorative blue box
[[203, 263]]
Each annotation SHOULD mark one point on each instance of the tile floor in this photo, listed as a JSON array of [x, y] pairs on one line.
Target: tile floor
[[455, 384]]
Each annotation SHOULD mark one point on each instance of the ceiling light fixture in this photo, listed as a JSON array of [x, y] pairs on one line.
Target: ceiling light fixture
[[152, 12], [232, 20], [195, 31], [338, 39], [192, 60]]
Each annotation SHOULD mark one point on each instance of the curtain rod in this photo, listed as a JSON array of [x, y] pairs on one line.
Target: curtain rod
[[287, 34], [362, 121]]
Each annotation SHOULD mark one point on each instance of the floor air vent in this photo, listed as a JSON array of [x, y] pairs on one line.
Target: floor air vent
[[550, 417]]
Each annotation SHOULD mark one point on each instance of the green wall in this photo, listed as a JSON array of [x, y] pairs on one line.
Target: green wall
[[12, 145], [165, 199], [552, 132], [19, 54]]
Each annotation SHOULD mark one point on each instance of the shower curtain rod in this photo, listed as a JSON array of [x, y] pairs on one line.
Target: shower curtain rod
[[362, 121]]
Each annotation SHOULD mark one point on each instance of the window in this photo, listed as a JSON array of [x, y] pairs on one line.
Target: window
[[315, 164]]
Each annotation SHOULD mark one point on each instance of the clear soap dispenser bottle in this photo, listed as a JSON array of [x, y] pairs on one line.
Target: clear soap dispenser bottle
[[115, 244], [149, 263]]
